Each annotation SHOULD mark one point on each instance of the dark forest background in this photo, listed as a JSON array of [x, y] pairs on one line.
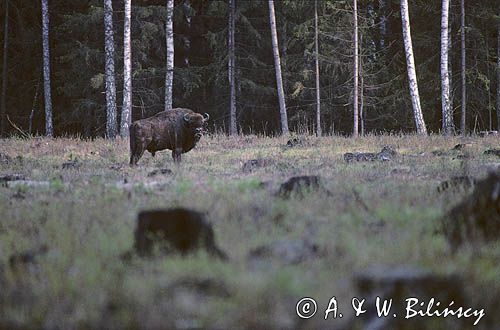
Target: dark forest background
[[200, 76]]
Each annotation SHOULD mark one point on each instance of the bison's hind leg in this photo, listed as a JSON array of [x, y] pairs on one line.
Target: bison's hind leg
[[133, 157]]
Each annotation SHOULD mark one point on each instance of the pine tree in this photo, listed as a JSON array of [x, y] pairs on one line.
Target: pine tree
[[383, 22], [49, 131], [233, 130], [463, 129], [498, 77], [316, 60], [356, 71], [3, 105]]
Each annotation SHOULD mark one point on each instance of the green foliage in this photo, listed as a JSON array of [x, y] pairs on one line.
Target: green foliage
[[200, 76]]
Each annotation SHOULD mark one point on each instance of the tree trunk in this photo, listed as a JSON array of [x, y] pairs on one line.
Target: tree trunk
[[498, 78], [33, 108], [188, 13], [488, 78], [361, 89], [383, 22], [450, 57], [318, 94], [127, 73], [49, 131], [109, 40], [445, 78], [277, 66], [356, 71], [3, 106], [283, 54], [233, 129], [412, 75], [169, 77], [462, 69]]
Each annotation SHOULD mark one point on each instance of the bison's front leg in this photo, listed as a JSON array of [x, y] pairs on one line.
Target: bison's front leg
[[176, 155], [138, 143], [136, 153]]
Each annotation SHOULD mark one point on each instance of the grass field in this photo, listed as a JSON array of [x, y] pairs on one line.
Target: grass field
[[378, 213]]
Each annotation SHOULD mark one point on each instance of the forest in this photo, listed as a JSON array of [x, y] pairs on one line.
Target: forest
[[343, 64]]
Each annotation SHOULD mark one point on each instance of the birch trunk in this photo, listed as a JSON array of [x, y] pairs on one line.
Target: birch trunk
[[445, 78], [49, 131], [3, 106], [277, 66], [233, 129], [356, 71], [109, 40], [318, 94], [127, 73], [169, 76], [462, 69], [412, 75]]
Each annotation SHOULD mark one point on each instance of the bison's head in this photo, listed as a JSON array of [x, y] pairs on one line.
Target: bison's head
[[194, 123]]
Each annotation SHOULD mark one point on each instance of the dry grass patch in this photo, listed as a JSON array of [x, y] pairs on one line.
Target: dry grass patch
[[378, 213]]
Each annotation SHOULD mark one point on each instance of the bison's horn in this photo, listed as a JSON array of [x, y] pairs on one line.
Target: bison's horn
[[186, 117], [206, 116]]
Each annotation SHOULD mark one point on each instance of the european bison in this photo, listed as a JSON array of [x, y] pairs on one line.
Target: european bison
[[178, 129]]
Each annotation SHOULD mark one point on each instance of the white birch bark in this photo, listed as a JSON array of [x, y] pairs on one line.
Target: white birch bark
[[49, 131], [277, 66], [127, 73], [447, 114], [412, 74], [169, 76], [109, 53], [233, 129]]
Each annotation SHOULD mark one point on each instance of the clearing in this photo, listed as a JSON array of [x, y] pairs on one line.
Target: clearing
[[80, 200]]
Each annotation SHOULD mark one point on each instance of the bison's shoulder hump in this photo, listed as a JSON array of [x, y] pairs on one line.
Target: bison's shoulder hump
[[183, 110]]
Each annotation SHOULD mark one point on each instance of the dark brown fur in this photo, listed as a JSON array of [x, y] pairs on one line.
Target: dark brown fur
[[178, 129], [184, 230]]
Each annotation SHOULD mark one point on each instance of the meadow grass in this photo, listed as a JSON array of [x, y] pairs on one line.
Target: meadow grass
[[86, 216]]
